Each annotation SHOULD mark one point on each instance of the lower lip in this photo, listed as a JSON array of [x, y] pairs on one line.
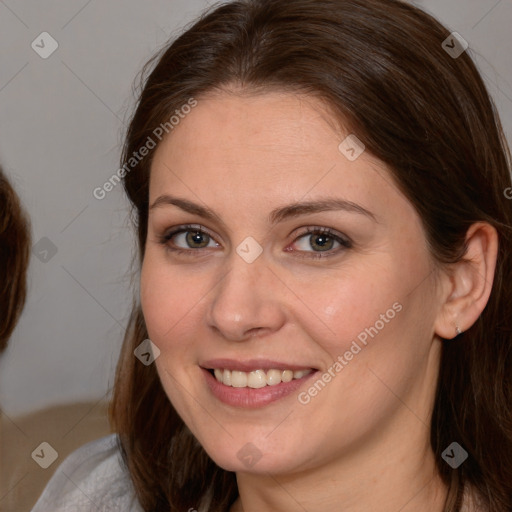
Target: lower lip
[[251, 397]]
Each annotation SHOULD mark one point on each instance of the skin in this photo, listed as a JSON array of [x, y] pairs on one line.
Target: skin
[[242, 155]]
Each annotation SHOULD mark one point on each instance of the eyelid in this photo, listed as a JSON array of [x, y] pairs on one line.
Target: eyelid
[[186, 227], [323, 230]]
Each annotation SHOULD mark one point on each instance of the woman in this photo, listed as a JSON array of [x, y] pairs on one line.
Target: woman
[[325, 251], [14, 259]]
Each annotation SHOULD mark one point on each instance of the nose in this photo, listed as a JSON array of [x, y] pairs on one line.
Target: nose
[[246, 302]]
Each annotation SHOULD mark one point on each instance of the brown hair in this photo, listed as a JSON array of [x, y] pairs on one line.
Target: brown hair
[[14, 259], [381, 67]]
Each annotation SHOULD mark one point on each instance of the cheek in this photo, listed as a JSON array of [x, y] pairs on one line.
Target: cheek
[[168, 297], [354, 304], [378, 328], [372, 346], [169, 306]]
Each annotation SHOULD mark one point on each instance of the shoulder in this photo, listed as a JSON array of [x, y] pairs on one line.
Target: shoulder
[[91, 478]]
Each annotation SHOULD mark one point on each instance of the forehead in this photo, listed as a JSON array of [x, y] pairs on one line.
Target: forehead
[[264, 148], [282, 124]]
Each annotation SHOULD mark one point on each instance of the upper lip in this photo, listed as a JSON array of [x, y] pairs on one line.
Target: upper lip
[[251, 365]]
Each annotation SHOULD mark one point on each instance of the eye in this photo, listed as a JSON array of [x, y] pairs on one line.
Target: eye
[[184, 239], [190, 237], [321, 240]]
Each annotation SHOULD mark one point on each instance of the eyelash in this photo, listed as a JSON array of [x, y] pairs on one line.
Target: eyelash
[[343, 241]]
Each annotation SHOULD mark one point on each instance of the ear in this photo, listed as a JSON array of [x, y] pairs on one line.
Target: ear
[[467, 286]]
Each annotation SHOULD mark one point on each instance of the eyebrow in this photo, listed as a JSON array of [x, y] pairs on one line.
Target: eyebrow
[[277, 215]]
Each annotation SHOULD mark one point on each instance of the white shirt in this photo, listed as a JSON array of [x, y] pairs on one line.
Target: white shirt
[[91, 478]]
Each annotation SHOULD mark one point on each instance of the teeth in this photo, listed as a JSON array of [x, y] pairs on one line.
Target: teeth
[[257, 378], [287, 376], [273, 377], [226, 377], [238, 379]]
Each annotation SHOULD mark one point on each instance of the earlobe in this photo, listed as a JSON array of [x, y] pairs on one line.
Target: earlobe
[[469, 282]]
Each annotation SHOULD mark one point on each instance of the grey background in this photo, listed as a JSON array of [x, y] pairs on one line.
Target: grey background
[[61, 125]]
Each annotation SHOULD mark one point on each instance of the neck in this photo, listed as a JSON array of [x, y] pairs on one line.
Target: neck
[[388, 476]]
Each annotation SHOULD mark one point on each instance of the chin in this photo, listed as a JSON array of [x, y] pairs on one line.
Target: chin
[[248, 458], [228, 462]]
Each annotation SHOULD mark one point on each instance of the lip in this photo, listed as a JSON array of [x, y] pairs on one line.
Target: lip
[[251, 365], [251, 398]]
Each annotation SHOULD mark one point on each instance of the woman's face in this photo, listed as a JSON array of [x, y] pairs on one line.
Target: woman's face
[[254, 291]]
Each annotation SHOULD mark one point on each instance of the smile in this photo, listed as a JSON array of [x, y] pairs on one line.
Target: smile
[[257, 378]]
